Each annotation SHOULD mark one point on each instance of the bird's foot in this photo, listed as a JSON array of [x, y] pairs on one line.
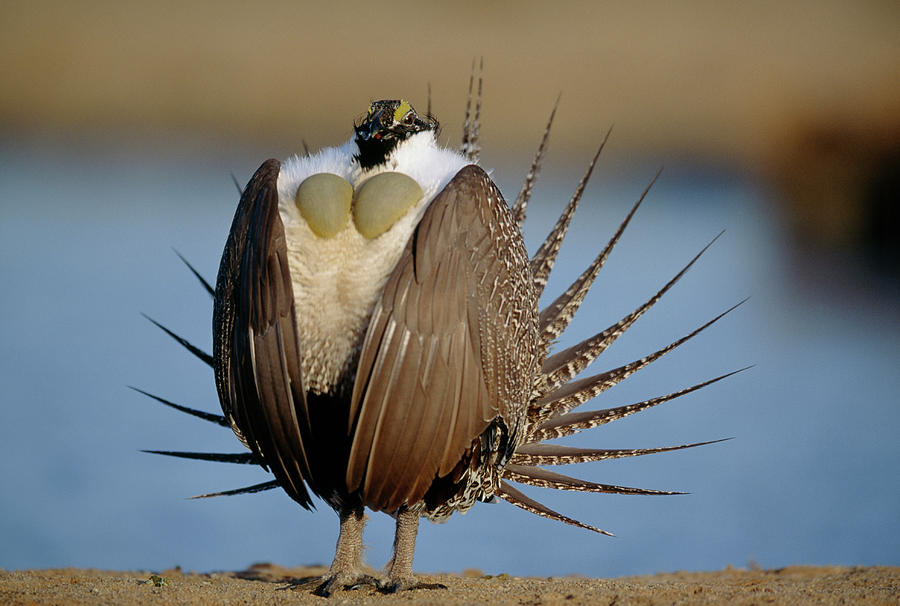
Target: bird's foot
[[348, 581], [395, 585]]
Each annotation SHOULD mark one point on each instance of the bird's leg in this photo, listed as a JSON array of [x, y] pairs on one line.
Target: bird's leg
[[400, 575], [346, 569]]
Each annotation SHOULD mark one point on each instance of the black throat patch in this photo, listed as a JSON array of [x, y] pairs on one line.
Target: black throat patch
[[373, 152]]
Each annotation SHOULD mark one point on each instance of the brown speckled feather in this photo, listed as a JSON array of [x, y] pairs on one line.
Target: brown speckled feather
[[257, 360], [558, 454], [545, 258], [446, 347], [566, 364], [538, 476], [511, 494], [573, 422]]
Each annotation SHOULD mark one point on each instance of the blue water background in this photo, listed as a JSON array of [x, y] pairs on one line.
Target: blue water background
[[810, 478]]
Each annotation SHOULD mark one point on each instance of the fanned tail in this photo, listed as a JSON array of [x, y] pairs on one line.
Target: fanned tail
[[557, 392]]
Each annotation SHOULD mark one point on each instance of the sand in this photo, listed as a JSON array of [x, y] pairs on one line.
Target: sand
[[271, 584]]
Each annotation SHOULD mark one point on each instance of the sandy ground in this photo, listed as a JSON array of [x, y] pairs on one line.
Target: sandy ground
[[271, 584]]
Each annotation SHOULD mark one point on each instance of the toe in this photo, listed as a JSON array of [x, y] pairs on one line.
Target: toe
[[326, 588], [336, 582], [408, 583]]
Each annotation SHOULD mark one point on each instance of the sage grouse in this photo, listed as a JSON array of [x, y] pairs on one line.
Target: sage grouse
[[378, 342]]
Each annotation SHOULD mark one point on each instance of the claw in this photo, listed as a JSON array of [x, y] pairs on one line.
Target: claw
[[336, 582], [325, 589]]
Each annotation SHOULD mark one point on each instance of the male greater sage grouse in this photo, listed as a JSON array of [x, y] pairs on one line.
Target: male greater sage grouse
[[378, 343]]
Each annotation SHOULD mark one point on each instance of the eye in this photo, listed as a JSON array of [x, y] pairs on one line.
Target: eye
[[409, 118]]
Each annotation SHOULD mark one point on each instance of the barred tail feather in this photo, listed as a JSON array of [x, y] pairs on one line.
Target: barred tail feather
[[567, 424], [573, 394], [557, 454], [521, 204], [538, 476], [510, 494], [555, 318], [543, 260], [565, 365], [470, 147]]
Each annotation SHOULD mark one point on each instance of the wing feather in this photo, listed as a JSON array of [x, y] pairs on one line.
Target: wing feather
[[256, 353], [436, 365]]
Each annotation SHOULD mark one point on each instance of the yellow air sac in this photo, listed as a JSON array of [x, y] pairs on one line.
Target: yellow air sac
[[324, 201], [382, 200]]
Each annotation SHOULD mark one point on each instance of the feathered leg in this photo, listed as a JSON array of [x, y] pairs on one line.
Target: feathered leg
[[347, 566], [400, 575]]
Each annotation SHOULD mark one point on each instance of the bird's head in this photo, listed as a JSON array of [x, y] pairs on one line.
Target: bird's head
[[386, 124]]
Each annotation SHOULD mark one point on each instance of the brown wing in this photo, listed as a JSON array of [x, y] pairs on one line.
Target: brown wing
[[256, 353], [450, 346]]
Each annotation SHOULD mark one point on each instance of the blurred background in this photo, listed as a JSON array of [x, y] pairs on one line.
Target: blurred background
[[121, 124]]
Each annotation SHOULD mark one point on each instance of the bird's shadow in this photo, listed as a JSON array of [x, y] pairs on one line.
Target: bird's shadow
[[270, 573]]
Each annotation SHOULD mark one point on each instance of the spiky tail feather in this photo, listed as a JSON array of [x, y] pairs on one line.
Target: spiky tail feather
[[471, 148], [543, 260], [245, 490], [241, 458], [557, 454], [574, 422], [565, 365], [521, 204], [206, 285], [575, 393], [556, 392], [206, 416], [202, 355], [555, 318], [510, 494]]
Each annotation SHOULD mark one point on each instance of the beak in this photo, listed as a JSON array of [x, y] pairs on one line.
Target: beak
[[371, 128]]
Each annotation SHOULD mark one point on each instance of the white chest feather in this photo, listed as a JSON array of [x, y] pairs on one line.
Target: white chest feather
[[337, 280]]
